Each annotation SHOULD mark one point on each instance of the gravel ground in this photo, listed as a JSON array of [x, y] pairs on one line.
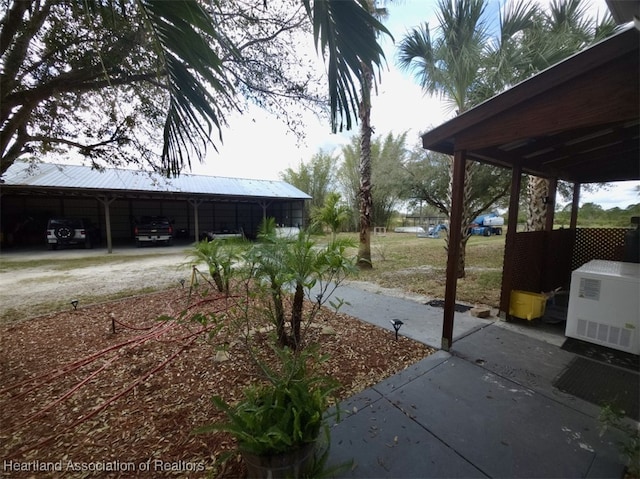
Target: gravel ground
[[36, 282], [27, 289]]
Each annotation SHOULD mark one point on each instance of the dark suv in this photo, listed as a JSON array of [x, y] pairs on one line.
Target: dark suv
[[71, 231]]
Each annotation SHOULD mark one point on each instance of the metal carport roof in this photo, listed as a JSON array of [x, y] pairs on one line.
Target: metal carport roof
[[45, 177]]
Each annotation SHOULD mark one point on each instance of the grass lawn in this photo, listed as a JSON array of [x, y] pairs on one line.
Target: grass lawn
[[402, 260]]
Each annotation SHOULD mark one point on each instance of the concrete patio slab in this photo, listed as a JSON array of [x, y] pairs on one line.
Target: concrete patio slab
[[421, 322], [381, 442], [487, 408], [501, 427]]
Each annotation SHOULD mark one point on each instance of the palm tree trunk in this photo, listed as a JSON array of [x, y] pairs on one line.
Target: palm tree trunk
[[537, 190], [217, 279], [365, 197]]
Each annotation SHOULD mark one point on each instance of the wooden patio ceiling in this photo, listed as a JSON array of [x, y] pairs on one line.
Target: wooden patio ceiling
[[577, 121]]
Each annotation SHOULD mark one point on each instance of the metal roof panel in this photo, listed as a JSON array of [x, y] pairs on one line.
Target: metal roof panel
[[49, 175]]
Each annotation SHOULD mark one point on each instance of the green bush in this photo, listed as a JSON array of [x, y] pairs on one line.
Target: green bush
[[286, 413]]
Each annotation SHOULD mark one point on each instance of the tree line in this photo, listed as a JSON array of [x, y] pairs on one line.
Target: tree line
[[406, 178]]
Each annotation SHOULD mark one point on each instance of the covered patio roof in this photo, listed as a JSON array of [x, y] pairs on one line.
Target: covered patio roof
[[577, 121]]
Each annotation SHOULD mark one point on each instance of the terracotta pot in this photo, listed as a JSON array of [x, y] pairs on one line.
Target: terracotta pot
[[291, 464]]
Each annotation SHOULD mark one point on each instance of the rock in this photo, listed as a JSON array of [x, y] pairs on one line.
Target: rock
[[221, 356], [329, 331], [263, 330]]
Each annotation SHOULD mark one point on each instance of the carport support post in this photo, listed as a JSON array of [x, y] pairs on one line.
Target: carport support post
[[264, 205], [196, 219], [455, 236], [107, 220]]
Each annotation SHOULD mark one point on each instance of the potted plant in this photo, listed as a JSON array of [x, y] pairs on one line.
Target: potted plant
[[278, 423]]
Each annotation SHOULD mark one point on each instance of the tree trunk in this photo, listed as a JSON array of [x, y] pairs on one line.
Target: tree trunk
[[296, 315], [537, 191], [364, 194], [217, 279], [462, 256]]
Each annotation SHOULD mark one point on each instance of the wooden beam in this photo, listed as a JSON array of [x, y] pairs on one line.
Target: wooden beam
[[551, 204], [453, 250], [583, 143], [611, 98], [509, 245]]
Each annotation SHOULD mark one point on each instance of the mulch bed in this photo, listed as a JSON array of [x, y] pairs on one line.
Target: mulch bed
[[77, 399]]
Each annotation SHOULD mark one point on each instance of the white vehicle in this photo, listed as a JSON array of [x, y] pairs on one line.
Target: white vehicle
[[71, 231]]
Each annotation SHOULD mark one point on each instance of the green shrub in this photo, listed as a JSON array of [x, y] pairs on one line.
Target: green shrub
[[286, 413]]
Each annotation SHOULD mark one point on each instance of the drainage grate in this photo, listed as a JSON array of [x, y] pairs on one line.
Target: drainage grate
[[602, 384]]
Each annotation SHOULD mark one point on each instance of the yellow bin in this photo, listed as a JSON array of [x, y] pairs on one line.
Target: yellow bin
[[526, 305]]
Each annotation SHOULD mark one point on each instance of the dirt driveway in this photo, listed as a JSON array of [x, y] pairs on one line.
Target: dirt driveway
[[36, 281]]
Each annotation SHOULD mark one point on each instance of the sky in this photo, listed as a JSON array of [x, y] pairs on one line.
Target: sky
[[258, 145]]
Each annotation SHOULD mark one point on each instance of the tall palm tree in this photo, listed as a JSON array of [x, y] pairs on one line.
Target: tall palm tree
[[448, 65], [365, 194], [562, 31]]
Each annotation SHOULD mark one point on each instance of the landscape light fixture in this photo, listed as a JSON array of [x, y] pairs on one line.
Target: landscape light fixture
[[74, 303], [396, 325], [181, 281]]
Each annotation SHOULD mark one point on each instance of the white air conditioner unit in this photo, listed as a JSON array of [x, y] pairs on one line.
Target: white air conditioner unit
[[604, 305]]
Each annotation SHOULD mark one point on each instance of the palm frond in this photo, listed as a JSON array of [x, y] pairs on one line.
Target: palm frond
[[415, 53], [345, 32], [516, 17], [193, 75]]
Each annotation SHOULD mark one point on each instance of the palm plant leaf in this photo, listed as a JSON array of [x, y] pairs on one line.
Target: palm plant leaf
[[515, 18], [415, 52], [507, 61], [461, 44], [346, 34], [448, 64], [194, 77]]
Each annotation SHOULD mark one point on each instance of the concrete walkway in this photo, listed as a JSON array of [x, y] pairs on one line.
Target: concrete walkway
[[487, 408]]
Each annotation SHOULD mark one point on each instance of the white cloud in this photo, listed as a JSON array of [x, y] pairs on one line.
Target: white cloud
[[258, 145], [619, 194]]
